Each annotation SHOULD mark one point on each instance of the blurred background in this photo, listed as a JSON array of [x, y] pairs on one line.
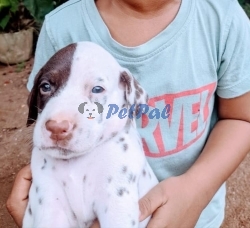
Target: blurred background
[[20, 23]]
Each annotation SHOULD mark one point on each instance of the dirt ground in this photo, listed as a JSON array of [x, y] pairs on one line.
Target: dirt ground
[[15, 140]]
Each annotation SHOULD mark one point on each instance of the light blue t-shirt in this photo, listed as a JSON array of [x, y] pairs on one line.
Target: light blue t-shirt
[[205, 51]]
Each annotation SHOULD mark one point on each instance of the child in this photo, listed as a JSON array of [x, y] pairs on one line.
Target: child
[[191, 54]]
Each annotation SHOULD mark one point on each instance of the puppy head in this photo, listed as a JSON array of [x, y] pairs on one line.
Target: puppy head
[[81, 76]]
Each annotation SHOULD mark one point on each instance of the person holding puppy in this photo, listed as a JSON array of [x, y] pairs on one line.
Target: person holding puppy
[[190, 54]]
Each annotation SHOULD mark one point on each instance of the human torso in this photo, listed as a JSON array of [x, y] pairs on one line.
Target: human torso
[[179, 66]]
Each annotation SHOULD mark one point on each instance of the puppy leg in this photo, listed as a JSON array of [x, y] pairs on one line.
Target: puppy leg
[[28, 220], [48, 205], [48, 212], [120, 210], [147, 181]]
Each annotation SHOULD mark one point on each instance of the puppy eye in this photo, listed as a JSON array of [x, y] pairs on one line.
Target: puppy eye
[[97, 89], [93, 110], [45, 88]]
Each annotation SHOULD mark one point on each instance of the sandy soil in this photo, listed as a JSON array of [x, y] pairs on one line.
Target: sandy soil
[[15, 141]]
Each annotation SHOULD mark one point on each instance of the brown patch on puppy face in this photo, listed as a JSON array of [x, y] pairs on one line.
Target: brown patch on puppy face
[[49, 80]]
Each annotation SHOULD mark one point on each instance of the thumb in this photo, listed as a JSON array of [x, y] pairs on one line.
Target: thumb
[[154, 199]]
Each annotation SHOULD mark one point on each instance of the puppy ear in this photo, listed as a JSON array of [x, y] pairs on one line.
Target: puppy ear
[[99, 106], [81, 107], [32, 101], [134, 93]]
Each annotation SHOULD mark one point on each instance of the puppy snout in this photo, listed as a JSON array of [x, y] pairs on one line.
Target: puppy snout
[[59, 130]]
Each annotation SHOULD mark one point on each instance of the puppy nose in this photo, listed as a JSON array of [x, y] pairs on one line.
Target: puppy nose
[[59, 130]]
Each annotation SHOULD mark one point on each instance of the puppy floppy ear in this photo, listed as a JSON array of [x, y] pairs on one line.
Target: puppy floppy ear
[[134, 93], [32, 101]]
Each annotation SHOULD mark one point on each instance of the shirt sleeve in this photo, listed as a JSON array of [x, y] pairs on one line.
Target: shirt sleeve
[[234, 70], [44, 50]]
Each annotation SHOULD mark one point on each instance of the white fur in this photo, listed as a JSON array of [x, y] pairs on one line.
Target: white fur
[[102, 172]]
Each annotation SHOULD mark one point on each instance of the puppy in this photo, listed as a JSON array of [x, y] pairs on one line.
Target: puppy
[[85, 169]]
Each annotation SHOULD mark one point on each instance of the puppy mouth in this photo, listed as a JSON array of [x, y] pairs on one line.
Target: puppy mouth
[[90, 117], [62, 151]]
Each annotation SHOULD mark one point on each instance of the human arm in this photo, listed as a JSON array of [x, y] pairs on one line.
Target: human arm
[[178, 201], [18, 198]]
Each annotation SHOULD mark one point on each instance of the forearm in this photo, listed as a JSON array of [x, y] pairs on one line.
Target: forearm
[[227, 146]]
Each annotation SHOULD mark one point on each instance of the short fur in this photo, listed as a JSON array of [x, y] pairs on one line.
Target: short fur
[[85, 169]]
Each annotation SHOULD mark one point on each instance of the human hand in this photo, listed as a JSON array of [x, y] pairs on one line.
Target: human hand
[[173, 203], [18, 198]]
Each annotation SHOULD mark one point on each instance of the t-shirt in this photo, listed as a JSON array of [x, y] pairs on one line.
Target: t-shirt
[[203, 52]]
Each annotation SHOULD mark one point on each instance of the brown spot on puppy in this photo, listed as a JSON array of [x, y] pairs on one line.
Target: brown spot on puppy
[[53, 76]]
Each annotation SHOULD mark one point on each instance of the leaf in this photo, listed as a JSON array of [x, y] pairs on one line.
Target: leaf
[[38, 9], [4, 4], [242, 2], [247, 9], [14, 5], [4, 21]]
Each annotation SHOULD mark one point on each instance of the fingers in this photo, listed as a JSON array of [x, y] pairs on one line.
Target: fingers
[[18, 198], [154, 199], [159, 218], [22, 183]]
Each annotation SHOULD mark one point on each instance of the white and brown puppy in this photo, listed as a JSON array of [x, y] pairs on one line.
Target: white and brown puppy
[[85, 169]]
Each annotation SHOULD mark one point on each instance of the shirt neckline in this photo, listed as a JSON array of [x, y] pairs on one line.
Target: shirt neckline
[[144, 51]]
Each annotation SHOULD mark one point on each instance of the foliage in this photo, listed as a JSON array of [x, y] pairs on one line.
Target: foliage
[[38, 9], [247, 9], [246, 6], [16, 15]]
